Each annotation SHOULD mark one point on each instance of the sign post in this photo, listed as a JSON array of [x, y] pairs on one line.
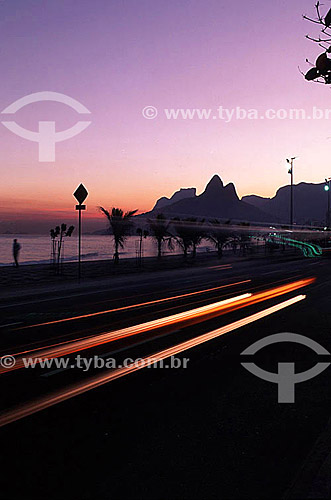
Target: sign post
[[80, 194], [327, 187]]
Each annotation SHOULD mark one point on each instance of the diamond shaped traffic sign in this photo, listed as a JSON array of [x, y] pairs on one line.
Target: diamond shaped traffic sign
[[81, 193]]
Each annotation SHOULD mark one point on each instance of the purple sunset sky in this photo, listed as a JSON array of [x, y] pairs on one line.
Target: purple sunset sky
[[116, 57]]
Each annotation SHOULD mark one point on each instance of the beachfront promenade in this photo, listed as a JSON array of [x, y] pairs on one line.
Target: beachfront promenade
[[43, 274]]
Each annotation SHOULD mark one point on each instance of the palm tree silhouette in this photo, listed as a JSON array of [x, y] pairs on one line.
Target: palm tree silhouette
[[197, 232], [57, 244], [142, 233], [189, 232], [159, 228], [219, 235], [243, 237], [120, 224]]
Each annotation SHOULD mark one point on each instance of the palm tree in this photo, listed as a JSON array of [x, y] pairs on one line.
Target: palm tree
[[189, 232], [54, 234], [159, 228], [243, 237], [197, 232], [142, 233], [219, 235], [120, 224], [63, 232], [57, 244]]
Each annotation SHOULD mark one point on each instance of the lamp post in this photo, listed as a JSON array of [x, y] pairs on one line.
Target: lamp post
[[291, 162], [327, 188], [80, 194]]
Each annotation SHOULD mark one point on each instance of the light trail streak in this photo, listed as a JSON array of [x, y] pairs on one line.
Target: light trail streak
[[183, 319], [86, 343], [133, 306], [99, 380], [223, 266], [114, 310]]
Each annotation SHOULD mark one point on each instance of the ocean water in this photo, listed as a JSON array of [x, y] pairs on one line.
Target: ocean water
[[37, 249]]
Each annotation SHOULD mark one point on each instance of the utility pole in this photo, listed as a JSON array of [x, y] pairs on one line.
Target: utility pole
[[291, 162]]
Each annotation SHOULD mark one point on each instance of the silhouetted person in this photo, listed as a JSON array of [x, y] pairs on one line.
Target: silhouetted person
[[16, 251]]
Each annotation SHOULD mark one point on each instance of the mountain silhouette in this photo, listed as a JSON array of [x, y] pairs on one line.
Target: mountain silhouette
[[177, 196], [217, 201], [310, 204]]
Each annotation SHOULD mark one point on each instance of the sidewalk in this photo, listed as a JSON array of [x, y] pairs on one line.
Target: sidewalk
[[33, 280]]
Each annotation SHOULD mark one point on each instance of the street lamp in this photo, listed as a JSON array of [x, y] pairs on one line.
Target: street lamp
[[327, 187], [291, 162]]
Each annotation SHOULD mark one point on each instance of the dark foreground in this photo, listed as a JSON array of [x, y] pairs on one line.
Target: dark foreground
[[212, 430]]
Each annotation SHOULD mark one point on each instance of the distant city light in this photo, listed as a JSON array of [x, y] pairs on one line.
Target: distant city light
[[326, 187]]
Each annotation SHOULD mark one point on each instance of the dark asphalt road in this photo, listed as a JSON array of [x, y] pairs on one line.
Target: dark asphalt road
[[212, 430]]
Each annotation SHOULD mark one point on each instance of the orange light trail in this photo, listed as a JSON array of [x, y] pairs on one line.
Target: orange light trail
[[78, 345], [81, 387], [223, 266], [133, 306], [183, 319]]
